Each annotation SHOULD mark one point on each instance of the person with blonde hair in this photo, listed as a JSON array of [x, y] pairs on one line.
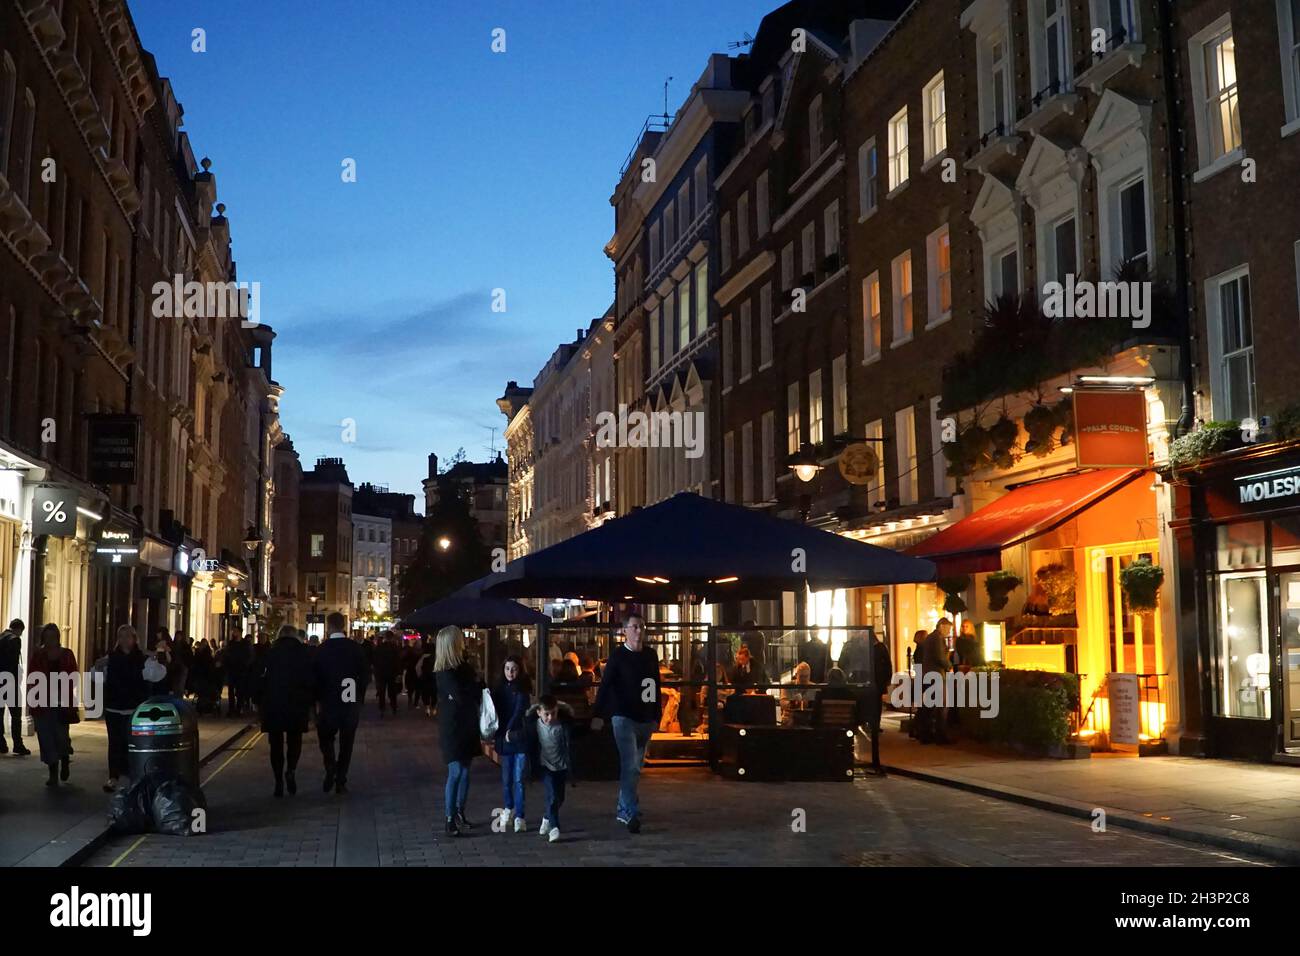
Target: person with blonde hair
[[459, 692]]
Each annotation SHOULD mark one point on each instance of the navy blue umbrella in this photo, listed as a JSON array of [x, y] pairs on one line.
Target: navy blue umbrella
[[468, 611], [708, 549]]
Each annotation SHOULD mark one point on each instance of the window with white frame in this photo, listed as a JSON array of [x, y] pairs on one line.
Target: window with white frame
[[762, 214], [898, 167], [808, 252], [1005, 273], [728, 357], [871, 318], [839, 395], [867, 173], [746, 342], [875, 433], [742, 225], [769, 456], [815, 435], [905, 442], [943, 482], [670, 325], [1133, 221], [934, 111], [765, 326], [901, 284], [1214, 75], [684, 311], [726, 240], [831, 231], [1232, 345], [814, 129], [1050, 47], [938, 259], [787, 266], [729, 466], [1119, 18], [747, 462], [1288, 30], [1001, 86], [792, 417], [701, 296], [1063, 249]]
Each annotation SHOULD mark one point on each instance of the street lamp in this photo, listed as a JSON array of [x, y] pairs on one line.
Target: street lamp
[[252, 539], [804, 464], [444, 543]]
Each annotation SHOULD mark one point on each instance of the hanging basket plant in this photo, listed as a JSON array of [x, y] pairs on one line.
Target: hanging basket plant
[[1141, 582], [952, 587], [1040, 425], [1003, 434], [999, 586], [1063, 412], [1057, 582], [968, 452]]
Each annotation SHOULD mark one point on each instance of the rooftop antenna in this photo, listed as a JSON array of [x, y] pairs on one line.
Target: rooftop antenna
[[492, 447], [666, 82], [740, 44]]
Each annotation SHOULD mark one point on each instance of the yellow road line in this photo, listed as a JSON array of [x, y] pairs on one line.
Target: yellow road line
[[238, 753]]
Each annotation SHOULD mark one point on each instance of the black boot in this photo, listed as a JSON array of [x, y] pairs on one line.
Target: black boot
[[462, 823], [291, 782], [452, 829], [54, 775], [64, 770]]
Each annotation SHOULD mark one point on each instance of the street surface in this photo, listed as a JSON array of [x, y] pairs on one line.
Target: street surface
[[392, 816]]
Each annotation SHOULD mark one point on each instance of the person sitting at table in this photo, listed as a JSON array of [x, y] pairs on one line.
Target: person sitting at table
[[747, 673], [836, 690], [800, 696]]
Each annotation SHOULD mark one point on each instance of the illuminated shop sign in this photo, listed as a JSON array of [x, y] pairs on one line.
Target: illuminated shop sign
[[1269, 486]]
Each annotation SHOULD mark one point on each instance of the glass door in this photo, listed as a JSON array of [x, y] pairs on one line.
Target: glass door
[[1288, 659], [1243, 645]]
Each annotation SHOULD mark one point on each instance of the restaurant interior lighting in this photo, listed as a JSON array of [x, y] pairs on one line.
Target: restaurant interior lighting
[[645, 580], [1116, 380], [89, 514]]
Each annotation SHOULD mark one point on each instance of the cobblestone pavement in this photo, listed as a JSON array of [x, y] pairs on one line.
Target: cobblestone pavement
[[392, 817]]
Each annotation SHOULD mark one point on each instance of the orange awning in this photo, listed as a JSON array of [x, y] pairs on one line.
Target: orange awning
[[975, 543]]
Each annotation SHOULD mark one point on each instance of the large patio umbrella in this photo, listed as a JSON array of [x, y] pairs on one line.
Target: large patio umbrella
[[467, 611], [708, 549]]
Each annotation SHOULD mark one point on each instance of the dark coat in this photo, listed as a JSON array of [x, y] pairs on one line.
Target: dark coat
[[511, 702], [11, 647], [124, 685], [459, 694], [386, 661], [288, 685], [339, 659]]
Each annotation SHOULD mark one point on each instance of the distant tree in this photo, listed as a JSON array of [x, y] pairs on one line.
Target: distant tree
[[435, 572], [453, 461]]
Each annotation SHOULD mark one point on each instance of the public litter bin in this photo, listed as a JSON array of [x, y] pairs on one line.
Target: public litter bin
[[164, 741]]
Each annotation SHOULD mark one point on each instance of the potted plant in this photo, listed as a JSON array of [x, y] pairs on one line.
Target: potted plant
[[1040, 425], [952, 587], [1141, 582], [999, 586], [1057, 582], [1210, 439], [1003, 434]]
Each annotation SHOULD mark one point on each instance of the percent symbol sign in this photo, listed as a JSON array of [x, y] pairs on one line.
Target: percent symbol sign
[[54, 511]]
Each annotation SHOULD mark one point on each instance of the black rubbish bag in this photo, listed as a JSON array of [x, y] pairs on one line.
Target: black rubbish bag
[[174, 805], [130, 810]]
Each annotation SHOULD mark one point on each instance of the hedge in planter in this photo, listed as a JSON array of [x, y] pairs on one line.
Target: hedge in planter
[[1034, 709]]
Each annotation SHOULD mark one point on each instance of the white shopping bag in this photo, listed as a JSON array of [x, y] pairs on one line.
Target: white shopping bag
[[487, 716]]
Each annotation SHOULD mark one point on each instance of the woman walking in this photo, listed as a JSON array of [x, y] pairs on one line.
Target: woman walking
[[56, 713], [124, 690], [286, 688], [428, 692], [512, 698], [459, 694]]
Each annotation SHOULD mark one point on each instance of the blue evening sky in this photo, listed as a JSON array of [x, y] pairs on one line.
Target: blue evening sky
[[475, 171]]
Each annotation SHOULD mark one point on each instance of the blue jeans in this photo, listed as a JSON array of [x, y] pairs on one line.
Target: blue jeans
[[553, 781], [514, 776], [457, 786], [631, 736]]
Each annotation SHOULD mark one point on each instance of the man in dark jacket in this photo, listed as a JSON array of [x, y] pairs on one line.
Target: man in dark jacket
[[387, 664], [934, 660], [629, 693], [11, 650], [125, 689], [287, 685], [236, 659], [340, 669]]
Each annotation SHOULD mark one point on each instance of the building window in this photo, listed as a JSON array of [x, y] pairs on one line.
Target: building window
[[1006, 273], [653, 331], [875, 433], [939, 275], [727, 355], [765, 326], [684, 206], [742, 225], [684, 311], [815, 408], [1133, 221], [901, 269], [1218, 121], [943, 483], [935, 114], [1050, 48], [787, 267], [839, 396], [905, 440], [701, 185], [746, 342], [1231, 345], [1288, 29], [701, 296], [867, 173], [670, 228], [729, 466], [871, 317], [1064, 249], [898, 168], [792, 417], [761, 207], [670, 325], [317, 545], [655, 253], [726, 240], [8, 99], [769, 456], [808, 253], [832, 229], [814, 129], [1000, 84], [747, 462], [1119, 19]]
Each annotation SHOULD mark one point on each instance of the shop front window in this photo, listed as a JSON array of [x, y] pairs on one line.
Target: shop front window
[[1243, 645], [1286, 542], [1240, 546]]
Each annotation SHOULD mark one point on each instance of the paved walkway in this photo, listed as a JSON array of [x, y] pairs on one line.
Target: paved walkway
[[1248, 807], [43, 826], [392, 816]]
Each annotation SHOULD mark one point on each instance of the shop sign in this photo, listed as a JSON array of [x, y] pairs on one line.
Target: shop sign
[[113, 440], [1110, 428], [858, 464], [1124, 708], [1281, 487], [116, 546], [54, 511]]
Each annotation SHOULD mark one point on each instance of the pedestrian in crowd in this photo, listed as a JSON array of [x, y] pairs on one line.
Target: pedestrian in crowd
[[257, 669], [59, 709], [11, 655], [183, 648], [386, 661], [873, 704], [411, 673], [163, 654], [629, 694], [340, 673], [459, 694], [205, 682], [914, 668], [855, 657], [237, 658], [934, 660], [287, 686], [549, 724], [512, 697], [125, 689], [368, 652], [428, 688], [966, 649]]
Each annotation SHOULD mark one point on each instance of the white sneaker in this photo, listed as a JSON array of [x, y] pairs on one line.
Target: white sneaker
[[505, 818], [520, 825], [546, 827], [553, 835]]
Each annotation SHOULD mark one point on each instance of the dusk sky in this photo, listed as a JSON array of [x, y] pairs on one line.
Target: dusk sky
[[475, 170]]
